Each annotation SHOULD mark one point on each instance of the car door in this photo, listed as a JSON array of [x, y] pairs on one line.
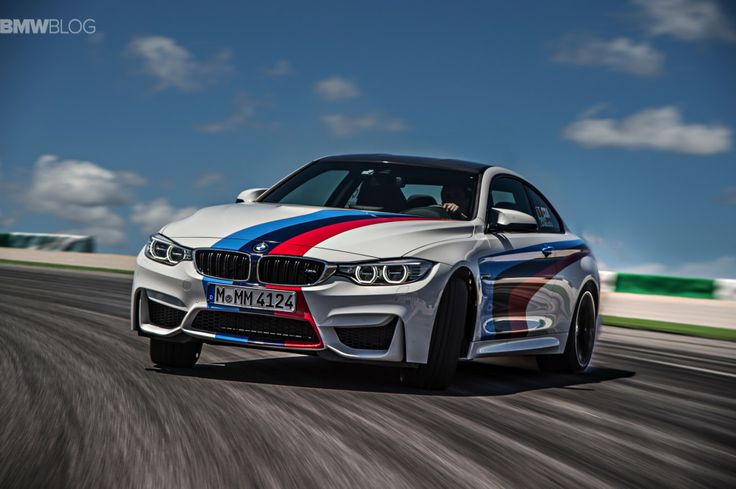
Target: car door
[[520, 289]]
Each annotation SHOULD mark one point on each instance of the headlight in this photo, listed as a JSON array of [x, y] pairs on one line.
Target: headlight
[[392, 272], [161, 249]]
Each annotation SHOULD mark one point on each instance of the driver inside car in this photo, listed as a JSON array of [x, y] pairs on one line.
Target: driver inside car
[[455, 200]]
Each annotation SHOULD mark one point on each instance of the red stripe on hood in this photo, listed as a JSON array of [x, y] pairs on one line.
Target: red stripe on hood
[[299, 245]]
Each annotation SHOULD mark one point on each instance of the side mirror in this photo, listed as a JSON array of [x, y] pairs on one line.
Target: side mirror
[[249, 195], [511, 220]]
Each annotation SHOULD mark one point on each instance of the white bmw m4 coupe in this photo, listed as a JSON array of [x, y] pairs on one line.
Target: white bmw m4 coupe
[[396, 260]]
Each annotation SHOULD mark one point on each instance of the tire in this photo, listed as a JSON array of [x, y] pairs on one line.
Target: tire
[[447, 336], [580, 338], [175, 355]]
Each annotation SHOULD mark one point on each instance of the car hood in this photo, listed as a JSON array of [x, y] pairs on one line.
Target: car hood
[[303, 230]]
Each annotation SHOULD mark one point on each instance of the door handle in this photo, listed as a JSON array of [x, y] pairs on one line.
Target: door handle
[[547, 250]]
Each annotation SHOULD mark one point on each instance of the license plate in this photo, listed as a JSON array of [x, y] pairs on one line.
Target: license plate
[[267, 299]]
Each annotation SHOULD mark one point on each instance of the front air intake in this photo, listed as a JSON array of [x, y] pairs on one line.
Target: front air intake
[[288, 270], [164, 316], [230, 265], [256, 327], [367, 338]]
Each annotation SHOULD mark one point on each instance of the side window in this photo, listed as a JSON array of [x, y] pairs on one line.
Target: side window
[[543, 213], [509, 193]]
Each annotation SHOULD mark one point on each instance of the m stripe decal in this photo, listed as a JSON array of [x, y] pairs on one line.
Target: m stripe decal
[[518, 298], [515, 282], [285, 229], [300, 244]]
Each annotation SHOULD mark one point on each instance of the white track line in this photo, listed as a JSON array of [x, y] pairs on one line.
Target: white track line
[[676, 365]]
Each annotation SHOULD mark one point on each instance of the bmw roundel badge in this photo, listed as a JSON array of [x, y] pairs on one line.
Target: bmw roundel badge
[[260, 247]]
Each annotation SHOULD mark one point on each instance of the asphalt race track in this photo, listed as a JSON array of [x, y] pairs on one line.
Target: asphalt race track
[[82, 406]]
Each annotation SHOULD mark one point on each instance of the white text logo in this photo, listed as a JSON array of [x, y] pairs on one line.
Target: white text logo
[[47, 26]]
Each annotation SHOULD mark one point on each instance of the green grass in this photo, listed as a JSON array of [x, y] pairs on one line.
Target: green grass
[[64, 266], [677, 328]]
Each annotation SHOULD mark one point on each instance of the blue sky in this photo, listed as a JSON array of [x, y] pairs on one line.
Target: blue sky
[[623, 113]]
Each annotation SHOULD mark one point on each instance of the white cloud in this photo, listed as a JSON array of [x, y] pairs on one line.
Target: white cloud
[[729, 196], [152, 216], [687, 20], [593, 239], [341, 125], [97, 37], [82, 192], [722, 267], [709, 269], [281, 68], [79, 191], [175, 67], [6, 219], [336, 88], [618, 252], [244, 113], [620, 54], [650, 268], [590, 112], [245, 109], [103, 235], [208, 178], [655, 128], [60, 182]]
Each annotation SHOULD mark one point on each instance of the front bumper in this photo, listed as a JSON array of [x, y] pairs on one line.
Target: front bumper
[[332, 308]]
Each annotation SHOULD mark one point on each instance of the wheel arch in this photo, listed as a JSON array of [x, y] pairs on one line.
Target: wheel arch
[[471, 316], [591, 282]]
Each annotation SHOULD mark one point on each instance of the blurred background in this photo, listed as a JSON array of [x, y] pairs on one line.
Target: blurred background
[[621, 112]]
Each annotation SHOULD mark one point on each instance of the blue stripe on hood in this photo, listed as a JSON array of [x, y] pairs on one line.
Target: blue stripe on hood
[[282, 229]]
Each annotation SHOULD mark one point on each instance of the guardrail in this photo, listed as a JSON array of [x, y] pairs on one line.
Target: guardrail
[[48, 241], [696, 288]]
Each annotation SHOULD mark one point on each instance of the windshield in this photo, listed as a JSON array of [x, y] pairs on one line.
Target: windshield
[[381, 187]]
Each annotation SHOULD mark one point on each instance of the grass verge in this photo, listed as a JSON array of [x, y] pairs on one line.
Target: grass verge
[[677, 328], [64, 266]]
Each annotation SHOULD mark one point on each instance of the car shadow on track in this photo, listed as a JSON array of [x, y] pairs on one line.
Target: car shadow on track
[[472, 378]]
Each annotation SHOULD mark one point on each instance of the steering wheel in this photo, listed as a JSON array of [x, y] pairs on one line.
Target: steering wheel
[[444, 213]]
